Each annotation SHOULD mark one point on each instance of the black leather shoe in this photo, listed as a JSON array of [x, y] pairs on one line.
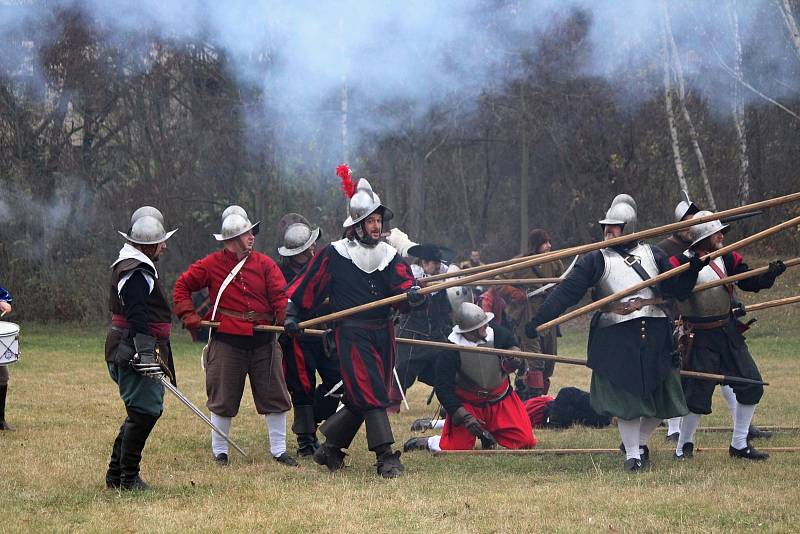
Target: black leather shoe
[[286, 459], [688, 452], [673, 437], [421, 425], [330, 457], [137, 484], [416, 444], [221, 459], [389, 466], [307, 445], [112, 483], [633, 465], [756, 433], [748, 453]]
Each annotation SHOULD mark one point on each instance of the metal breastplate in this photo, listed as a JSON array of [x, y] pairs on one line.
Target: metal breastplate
[[618, 276], [368, 259], [712, 302], [480, 370]]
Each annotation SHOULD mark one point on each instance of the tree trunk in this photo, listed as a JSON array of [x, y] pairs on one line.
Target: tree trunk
[[524, 180], [785, 7], [695, 139], [673, 128], [743, 183]]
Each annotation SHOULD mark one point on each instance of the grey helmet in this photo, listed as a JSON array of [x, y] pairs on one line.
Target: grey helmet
[[147, 230], [298, 238], [623, 212], [363, 203], [235, 223], [147, 210], [471, 317], [698, 232], [685, 207]]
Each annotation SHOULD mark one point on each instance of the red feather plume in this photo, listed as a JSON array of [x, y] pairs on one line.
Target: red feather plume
[[348, 186]]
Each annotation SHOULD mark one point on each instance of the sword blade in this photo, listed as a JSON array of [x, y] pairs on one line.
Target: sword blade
[[181, 397]]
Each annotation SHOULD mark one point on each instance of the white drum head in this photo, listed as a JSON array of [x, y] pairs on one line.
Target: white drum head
[[9, 342]]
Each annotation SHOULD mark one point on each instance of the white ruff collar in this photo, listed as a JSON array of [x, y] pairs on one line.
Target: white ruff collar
[[459, 339], [368, 259], [128, 252]]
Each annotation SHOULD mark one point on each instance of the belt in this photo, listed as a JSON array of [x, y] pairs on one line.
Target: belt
[[707, 326], [630, 306], [484, 397], [250, 316]]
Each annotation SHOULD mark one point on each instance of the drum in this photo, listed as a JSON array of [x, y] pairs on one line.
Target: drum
[[9, 343]]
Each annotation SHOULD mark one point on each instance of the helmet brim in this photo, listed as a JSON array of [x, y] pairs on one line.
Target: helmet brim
[[289, 252], [142, 242], [253, 227]]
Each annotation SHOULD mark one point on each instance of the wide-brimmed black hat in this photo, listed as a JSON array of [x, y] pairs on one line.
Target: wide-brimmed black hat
[[431, 252]]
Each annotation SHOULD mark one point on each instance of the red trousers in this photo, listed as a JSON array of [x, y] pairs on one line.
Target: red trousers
[[506, 420]]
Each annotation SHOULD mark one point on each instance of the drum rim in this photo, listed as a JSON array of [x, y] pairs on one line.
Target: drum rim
[[11, 331]]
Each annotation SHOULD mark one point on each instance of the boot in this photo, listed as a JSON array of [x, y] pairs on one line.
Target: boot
[[305, 428], [416, 444], [114, 475], [339, 431], [380, 440], [3, 424], [137, 428], [388, 464]]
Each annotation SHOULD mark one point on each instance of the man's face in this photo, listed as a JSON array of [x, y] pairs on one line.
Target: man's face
[[431, 266], [544, 247], [475, 257], [712, 242], [305, 256], [684, 234], [373, 225], [610, 231], [153, 252], [476, 335], [242, 244]]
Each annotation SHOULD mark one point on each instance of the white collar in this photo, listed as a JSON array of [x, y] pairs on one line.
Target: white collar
[[459, 339], [129, 252]]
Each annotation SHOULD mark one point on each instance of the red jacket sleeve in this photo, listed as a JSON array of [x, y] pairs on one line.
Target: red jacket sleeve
[[276, 296], [194, 279]]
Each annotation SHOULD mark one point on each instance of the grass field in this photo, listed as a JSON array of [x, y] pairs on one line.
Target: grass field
[[67, 413]]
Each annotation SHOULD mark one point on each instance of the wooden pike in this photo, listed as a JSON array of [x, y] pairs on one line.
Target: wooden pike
[[735, 278], [635, 236], [543, 258], [516, 282], [666, 275], [563, 452], [771, 304], [722, 379], [771, 428]]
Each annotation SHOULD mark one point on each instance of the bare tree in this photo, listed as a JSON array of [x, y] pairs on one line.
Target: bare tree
[[693, 136], [743, 182], [671, 124], [785, 7]]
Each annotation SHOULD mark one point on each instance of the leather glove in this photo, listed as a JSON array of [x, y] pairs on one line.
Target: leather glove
[[696, 264], [530, 330], [740, 310], [463, 418], [415, 298], [487, 440], [291, 323], [509, 365], [144, 361], [776, 268]]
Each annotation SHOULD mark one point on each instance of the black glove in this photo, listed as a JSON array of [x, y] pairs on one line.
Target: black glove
[[509, 365], [290, 324], [487, 440], [415, 299], [144, 361], [740, 310], [696, 264], [776, 268], [530, 330], [463, 418]]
